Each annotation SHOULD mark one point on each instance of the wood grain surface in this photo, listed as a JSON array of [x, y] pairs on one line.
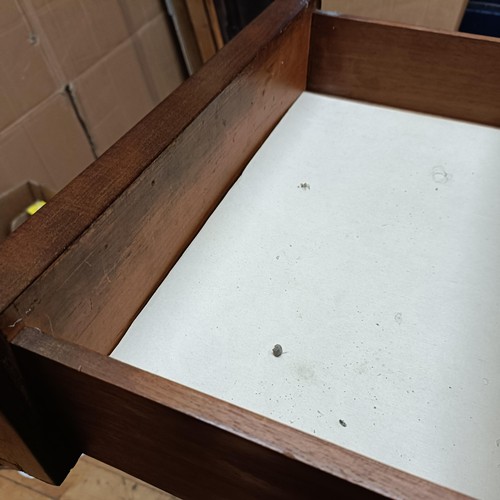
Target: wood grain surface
[[88, 480], [202, 28], [189, 443], [83, 267], [365, 334], [452, 75], [96, 252]]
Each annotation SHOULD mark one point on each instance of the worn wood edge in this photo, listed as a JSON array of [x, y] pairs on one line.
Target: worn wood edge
[[119, 261], [340, 468], [317, 82], [41, 240], [86, 243]]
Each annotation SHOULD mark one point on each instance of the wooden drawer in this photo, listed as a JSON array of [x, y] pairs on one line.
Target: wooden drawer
[[74, 278]]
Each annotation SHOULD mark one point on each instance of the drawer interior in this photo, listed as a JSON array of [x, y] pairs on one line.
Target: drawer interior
[[390, 217], [364, 240]]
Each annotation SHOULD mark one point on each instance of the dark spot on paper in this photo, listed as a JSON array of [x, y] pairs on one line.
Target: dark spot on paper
[[304, 186], [277, 351], [342, 423]]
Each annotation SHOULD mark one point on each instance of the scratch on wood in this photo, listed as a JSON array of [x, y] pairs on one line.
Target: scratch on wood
[[15, 323], [50, 323], [78, 267], [106, 275]]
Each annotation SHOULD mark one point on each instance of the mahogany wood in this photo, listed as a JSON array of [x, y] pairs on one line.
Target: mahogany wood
[[189, 443], [450, 74], [83, 267]]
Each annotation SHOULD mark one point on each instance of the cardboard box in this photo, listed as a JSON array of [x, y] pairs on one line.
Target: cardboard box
[[159, 53], [75, 76], [78, 33], [13, 205], [48, 146], [436, 14], [25, 75], [114, 94], [117, 57]]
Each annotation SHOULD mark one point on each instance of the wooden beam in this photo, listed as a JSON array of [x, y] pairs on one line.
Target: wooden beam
[[202, 28], [214, 23]]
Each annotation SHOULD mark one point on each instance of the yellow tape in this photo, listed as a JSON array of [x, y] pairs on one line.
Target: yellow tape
[[34, 207]]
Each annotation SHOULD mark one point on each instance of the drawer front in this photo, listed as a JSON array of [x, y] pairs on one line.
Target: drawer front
[[189, 443]]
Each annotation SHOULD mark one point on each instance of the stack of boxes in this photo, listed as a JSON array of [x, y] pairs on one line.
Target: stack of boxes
[[75, 75]]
